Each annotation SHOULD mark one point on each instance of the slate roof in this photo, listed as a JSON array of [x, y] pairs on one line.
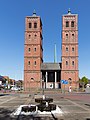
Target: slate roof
[[50, 66]]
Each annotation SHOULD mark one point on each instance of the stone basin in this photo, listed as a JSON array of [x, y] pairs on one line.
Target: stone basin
[[49, 108], [41, 100], [44, 107], [28, 108]]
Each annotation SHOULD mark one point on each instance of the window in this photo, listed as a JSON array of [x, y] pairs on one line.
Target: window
[[72, 24], [35, 49], [35, 35], [66, 36], [30, 25], [66, 49], [72, 36], [34, 62], [66, 62], [32, 79], [67, 24], [29, 36], [73, 63], [72, 49], [28, 62], [35, 25], [29, 49]]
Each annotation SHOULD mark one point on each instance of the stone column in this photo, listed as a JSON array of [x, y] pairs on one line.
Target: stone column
[[55, 78], [46, 79]]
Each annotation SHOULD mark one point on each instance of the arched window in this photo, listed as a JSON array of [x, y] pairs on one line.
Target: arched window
[[29, 36], [32, 79], [66, 49], [30, 25], [35, 25], [66, 36], [35, 49], [35, 35], [29, 49], [73, 63], [72, 24], [34, 62], [67, 24], [72, 49], [66, 62], [73, 36], [28, 62]]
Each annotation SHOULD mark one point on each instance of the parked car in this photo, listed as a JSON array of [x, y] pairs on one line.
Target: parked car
[[15, 88]]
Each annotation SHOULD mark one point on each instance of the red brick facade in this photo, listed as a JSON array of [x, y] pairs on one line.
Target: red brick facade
[[33, 52], [70, 49]]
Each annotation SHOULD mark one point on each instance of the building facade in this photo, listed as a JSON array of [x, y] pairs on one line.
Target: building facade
[[49, 75], [69, 58], [33, 52]]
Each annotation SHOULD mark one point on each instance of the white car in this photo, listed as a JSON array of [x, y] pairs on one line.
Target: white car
[[15, 88]]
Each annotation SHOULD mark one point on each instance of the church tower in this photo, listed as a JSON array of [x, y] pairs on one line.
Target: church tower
[[69, 56], [33, 52]]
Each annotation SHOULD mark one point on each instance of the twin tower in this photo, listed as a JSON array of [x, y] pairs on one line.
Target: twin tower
[[38, 74]]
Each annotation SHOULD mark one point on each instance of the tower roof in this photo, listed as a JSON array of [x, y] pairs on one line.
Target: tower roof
[[34, 13], [69, 11]]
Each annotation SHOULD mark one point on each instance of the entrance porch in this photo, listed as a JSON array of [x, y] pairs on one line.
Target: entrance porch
[[51, 76]]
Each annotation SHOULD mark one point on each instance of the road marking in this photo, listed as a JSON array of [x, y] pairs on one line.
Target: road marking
[[7, 100], [77, 112], [78, 105]]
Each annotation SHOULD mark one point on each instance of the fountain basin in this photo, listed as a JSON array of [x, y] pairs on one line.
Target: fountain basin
[[43, 107], [41, 100], [28, 108]]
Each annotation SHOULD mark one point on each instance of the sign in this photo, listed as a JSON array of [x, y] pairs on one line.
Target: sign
[[64, 81]]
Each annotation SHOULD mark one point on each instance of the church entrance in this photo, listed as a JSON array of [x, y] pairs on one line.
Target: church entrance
[[51, 79]]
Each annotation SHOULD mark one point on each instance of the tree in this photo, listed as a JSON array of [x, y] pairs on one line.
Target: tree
[[83, 81]]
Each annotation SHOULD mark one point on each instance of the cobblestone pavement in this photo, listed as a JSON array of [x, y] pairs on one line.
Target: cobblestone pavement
[[75, 106]]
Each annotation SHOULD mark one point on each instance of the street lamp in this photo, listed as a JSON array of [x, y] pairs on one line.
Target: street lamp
[[42, 86]]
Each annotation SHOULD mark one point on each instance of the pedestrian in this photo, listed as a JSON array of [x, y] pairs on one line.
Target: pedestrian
[[70, 88]]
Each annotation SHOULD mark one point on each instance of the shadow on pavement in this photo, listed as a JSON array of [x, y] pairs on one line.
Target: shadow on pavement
[[5, 114]]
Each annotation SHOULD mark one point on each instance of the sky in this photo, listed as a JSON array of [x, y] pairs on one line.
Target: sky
[[12, 28]]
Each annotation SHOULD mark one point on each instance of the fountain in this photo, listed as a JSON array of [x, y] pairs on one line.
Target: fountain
[[44, 107], [44, 104]]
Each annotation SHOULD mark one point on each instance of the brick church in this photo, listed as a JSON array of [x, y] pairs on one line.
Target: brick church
[[38, 74]]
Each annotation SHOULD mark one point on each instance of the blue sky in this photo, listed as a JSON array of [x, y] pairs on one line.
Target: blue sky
[[12, 27]]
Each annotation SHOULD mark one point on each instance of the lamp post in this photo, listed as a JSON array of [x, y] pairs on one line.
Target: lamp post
[[42, 86]]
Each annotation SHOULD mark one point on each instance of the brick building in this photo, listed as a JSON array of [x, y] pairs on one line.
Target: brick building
[[48, 75]]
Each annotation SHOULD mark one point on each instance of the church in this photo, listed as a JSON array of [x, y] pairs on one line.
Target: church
[[38, 74]]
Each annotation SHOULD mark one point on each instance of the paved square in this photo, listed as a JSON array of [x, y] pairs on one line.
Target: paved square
[[75, 106]]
